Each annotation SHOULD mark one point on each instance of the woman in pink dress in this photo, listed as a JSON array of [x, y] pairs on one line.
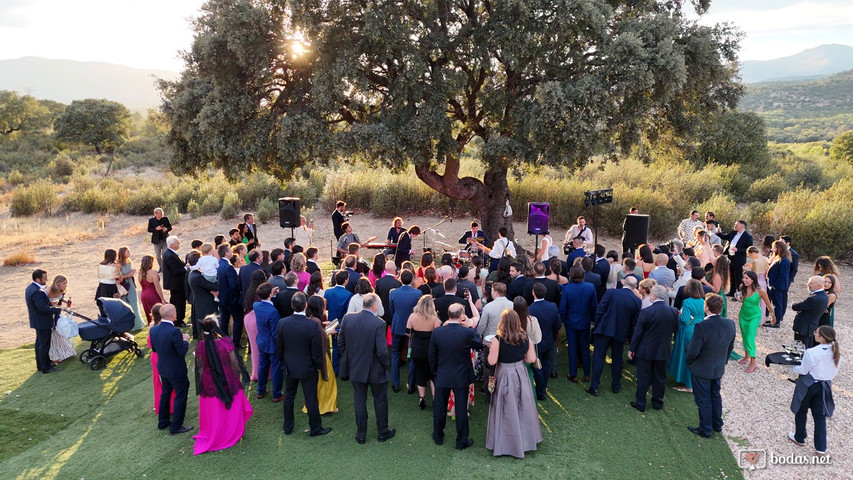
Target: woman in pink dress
[[297, 265], [155, 375], [149, 279], [249, 321], [223, 408]]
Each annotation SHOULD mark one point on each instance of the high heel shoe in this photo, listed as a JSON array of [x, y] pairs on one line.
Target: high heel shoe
[[422, 403]]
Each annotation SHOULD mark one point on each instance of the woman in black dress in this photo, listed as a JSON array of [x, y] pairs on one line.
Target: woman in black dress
[[419, 327]]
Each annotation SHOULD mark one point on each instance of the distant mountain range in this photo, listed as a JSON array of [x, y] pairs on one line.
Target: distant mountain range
[[67, 80], [812, 63]]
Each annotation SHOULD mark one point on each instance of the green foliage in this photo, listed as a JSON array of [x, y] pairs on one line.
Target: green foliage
[[101, 124], [21, 114], [768, 188], [38, 197], [144, 199], [267, 210], [61, 168], [230, 206], [104, 196], [397, 86], [732, 138], [842, 148], [820, 222]]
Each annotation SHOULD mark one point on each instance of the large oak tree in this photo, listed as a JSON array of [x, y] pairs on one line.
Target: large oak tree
[[276, 85]]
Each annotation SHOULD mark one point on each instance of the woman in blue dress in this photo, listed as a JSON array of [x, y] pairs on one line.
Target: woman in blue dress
[[127, 273], [692, 312]]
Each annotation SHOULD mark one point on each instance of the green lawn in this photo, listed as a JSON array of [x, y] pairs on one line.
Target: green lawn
[[100, 425]]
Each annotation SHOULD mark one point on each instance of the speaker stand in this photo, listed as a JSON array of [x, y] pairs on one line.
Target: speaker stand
[[536, 248]]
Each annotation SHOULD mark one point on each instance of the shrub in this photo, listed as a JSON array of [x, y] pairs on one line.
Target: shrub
[[39, 197], [211, 204], [768, 188], [171, 210], [145, 199], [192, 208], [15, 177], [257, 187], [266, 210], [61, 168], [230, 206], [19, 258]]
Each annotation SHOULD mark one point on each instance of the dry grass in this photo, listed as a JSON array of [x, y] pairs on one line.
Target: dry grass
[[48, 231], [19, 258]]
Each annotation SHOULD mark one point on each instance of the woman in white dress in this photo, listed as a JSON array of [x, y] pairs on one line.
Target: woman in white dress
[[61, 348]]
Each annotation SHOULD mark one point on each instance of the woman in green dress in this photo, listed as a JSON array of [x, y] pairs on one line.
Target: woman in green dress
[[750, 315], [692, 312]]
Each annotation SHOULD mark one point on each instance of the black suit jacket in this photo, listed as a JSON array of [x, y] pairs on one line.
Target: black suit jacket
[[158, 236], [299, 346], [745, 241], [616, 313], [246, 278], [443, 303], [602, 269], [553, 290], [311, 267], [808, 313], [653, 336], [337, 220], [252, 237], [202, 300], [596, 281], [548, 316], [169, 343], [517, 287], [383, 288], [709, 349], [174, 273], [450, 355], [42, 314], [282, 301], [363, 348]]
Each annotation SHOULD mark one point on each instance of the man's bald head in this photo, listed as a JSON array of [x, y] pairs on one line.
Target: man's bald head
[[168, 312], [390, 266], [630, 282]]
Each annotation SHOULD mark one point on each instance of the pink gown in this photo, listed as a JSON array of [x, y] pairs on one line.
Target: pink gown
[[158, 387], [219, 427], [251, 326], [304, 279]]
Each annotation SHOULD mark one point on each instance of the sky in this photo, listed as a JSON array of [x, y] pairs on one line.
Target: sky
[[150, 33]]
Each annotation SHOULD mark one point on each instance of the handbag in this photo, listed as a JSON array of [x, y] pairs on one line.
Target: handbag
[[537, 364], [121, 290], [67, 327]]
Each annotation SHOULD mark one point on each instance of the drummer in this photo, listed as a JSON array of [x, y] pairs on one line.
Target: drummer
[[474, 239], [503, 247]]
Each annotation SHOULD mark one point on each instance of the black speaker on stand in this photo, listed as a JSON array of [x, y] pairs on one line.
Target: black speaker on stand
[[289, 212], [538, 217], [636, 232]]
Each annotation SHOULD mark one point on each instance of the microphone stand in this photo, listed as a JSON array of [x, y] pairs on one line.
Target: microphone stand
[[426, 230]]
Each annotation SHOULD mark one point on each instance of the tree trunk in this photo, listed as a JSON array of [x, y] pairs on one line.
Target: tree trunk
[[489, 196]]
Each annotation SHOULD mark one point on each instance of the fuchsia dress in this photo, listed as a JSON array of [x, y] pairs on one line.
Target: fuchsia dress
[[158, 387], [219, 426]]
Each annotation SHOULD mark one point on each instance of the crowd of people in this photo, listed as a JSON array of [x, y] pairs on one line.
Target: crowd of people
[[490, 317]]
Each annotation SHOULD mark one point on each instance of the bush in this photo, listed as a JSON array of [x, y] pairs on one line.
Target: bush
[[257, 187], [768, 188], [105, 196], [16, 177], [61, 168], [230, 206], [39, 197], [19, 258], [266, 210], [145, 199], [171, 210]]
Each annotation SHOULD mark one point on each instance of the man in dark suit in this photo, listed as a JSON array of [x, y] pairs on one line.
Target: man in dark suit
[[739, 240], [230, 304], [42, 316], [251, 232], [338, 219], [202, 299], [809, 312], [601, 268], [175, 278], [282, 299], [364, 360], [171, 347], [450, 362], [651, 347], [593, 278], [707, 353], [615, 315], [247, 271], [519, 281], [443, 303], [549, 322], [311, 264], [552, 287], [577, 311], [337, 304], [159, 228], [384, 286], [268, 361], [401, 302], [300, 350]]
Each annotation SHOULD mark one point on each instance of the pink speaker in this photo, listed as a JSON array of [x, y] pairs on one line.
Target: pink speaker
[[538, 216]]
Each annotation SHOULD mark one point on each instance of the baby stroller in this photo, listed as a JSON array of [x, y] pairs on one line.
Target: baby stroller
[[108, 335]]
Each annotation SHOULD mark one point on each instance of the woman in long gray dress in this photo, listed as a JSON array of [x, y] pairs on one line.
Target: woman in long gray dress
[[127, 280], [513, 426]]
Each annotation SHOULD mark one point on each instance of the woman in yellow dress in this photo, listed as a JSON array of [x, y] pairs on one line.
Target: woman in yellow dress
[[327, 390]]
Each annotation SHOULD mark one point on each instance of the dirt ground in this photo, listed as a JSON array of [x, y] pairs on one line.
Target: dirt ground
[[756, 406]]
